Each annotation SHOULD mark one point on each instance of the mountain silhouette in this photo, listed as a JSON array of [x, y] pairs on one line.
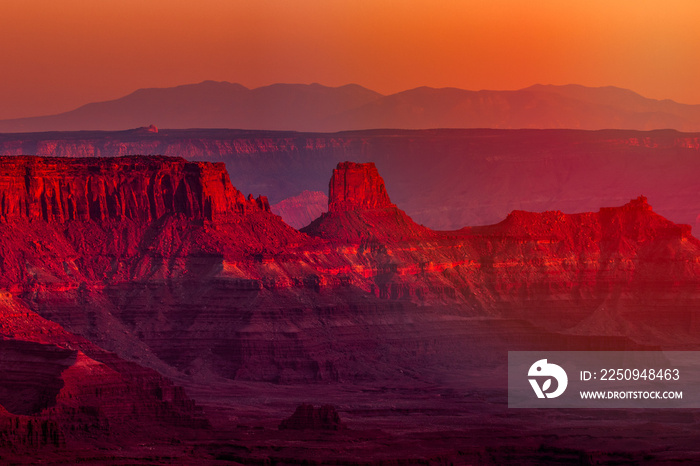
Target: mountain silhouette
[[314, 107]]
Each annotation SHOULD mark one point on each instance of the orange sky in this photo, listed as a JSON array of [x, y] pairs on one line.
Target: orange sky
[[57, 55]]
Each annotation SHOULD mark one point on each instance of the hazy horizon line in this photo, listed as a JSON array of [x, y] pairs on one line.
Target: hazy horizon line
[[309, 84]]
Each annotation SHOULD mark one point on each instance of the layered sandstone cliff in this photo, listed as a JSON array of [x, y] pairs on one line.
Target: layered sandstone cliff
[[136, 188]]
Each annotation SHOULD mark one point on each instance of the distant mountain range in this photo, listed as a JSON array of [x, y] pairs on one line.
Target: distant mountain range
[[314, 107]]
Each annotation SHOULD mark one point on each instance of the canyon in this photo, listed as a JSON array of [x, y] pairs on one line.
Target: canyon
[[148, 294]]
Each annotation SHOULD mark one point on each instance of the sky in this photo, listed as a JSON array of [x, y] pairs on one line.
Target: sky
[[57, 56]]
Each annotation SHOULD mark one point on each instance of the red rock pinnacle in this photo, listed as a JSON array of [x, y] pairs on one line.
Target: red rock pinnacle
[[356, 186], [359, 209]]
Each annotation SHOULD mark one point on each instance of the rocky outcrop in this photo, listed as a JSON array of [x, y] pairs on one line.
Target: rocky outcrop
[[615, 271], [307, 417], [622, 229], [142, 189], [359, 209], [356, 186]]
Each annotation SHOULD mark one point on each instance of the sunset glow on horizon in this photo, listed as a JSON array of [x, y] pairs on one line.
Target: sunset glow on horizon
[[60, 55]]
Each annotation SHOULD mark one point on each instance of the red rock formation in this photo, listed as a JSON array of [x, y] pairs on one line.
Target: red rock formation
[[550, 268], [151, 284], [136, 188], [356, 186], [307, 417], [373, 299], [359, 209]]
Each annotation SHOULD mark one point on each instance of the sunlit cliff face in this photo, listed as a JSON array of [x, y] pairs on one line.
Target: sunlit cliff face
[[209, 285]]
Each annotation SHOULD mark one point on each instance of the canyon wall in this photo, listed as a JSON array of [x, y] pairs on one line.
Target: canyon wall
[[135, 188]]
